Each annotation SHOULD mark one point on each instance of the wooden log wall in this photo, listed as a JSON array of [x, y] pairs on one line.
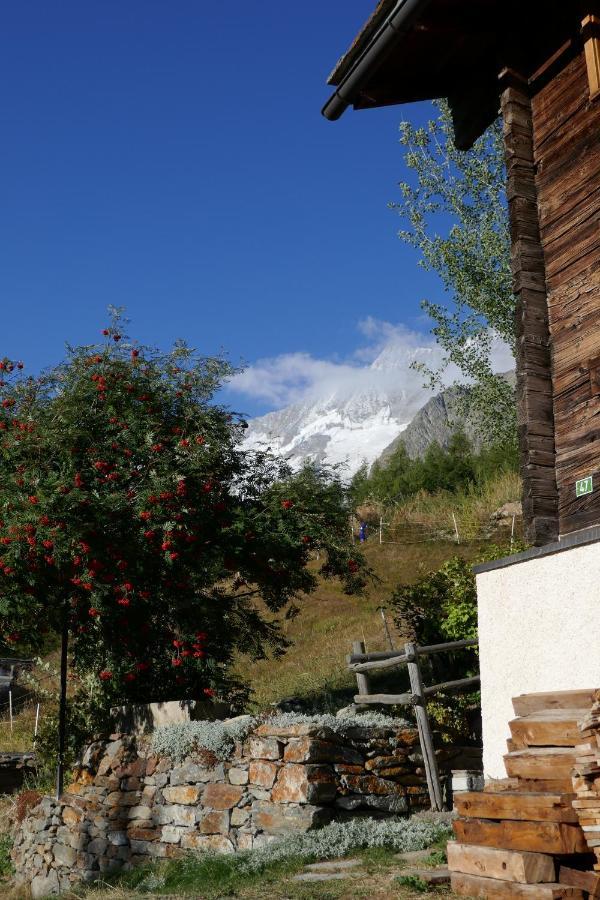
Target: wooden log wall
[[566, 155], [533, 363]]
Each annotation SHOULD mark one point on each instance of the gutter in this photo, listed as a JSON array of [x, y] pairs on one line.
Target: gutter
[[399, 21]]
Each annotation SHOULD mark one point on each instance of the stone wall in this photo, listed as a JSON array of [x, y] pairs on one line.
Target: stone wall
[[128, 806]]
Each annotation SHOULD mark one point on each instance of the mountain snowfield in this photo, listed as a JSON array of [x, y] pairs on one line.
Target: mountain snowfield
[[352, 422]]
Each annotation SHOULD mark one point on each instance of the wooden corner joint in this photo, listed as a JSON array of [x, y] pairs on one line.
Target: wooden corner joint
[[590, 31]]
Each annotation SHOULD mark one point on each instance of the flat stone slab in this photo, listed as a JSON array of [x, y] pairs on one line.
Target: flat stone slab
[[434, 876], [319, 876], [414, 856], [334, 865]]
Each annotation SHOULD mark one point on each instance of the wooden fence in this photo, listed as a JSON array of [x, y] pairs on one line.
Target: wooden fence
[[361, 663]]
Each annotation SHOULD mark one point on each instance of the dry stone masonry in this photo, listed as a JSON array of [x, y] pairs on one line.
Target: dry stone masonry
[[128, 805]]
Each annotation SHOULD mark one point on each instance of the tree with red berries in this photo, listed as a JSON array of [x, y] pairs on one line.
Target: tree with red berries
[[131, 517]]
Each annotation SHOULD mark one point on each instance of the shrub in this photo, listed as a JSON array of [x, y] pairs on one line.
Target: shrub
[[219, 738], [439, 608]]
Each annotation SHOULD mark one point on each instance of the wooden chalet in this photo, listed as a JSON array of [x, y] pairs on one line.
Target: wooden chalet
[[538, 64]]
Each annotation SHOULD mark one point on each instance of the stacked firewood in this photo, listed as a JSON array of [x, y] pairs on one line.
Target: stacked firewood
[[586, 778], [522, 836]]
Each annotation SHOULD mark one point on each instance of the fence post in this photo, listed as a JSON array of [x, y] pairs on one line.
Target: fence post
[[381, 529], [362, 682], [456, 528], [386, 627], [425, 735], [10, 710]]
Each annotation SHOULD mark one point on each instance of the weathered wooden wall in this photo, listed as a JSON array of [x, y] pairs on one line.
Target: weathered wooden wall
[[566, 153], [533, 363]]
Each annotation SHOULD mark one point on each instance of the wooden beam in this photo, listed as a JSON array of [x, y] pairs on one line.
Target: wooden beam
[[506, 865], [590, 30], [533, 359]]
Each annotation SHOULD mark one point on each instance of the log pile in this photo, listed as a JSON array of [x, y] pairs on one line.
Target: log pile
[[586, 778], [522, 836]]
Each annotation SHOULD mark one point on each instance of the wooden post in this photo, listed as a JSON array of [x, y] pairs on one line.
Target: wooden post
[[10, 710], [386, 628], [456, 528], [535, 414], [362, 682], [425, 735]]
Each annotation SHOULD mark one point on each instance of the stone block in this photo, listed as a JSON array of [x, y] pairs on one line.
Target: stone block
[[214, 821], [262, 772], [185, 794], [217, 842], [369, 784], [117, 838], [385, 761], [183, 815], [263, 748], [314, 750], [304, 784], [222, 796], [274, 818], [239, 816], [172, 834], [245, 841], [97, 846], [142, 833], [71, 816], [192, 773], [65, 856], [139, 812], [120, 798], [238, 776], [45, 885], [146, 848]]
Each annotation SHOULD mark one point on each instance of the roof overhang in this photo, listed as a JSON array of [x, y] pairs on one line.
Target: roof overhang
[[412, 50]]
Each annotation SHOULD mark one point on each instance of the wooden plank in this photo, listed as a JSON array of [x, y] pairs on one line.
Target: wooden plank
[[477, 886], [537, 837], [507, 865], [540, 762], [511, 805], [587, 881], [525, 704], [545, 785], [548, 728]]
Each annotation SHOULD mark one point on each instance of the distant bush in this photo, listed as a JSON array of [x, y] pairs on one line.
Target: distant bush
[[454, 468]]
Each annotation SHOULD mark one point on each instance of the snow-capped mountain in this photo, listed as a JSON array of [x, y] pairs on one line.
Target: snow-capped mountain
[[349, 423]]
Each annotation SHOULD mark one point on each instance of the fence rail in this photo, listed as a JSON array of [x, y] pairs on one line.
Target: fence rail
[[360, 662]]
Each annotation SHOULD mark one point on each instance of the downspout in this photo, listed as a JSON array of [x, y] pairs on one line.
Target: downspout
[[395, 26]]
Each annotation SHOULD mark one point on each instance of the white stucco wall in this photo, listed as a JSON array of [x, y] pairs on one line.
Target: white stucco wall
[[539, 630]]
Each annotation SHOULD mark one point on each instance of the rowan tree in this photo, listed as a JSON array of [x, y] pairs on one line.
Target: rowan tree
[[130, 513]]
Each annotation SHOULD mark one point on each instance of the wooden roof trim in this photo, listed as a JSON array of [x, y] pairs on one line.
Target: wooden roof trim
[[345, 63]]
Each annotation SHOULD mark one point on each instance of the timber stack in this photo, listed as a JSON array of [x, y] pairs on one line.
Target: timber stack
[[522, 836], [586, 778]]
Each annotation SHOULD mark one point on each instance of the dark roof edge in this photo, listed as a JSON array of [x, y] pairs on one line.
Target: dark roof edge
[[577, 539], [393, 28]]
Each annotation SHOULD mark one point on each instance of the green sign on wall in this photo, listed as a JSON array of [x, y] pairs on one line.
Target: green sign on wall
[[584, 486]]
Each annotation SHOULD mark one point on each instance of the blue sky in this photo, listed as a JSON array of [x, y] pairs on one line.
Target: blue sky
[[171, 157]]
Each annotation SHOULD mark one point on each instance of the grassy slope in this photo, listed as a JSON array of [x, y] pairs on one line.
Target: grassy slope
[[314, 666]]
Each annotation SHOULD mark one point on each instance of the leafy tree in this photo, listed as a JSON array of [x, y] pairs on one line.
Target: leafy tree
[[129, 512], [455, 215]]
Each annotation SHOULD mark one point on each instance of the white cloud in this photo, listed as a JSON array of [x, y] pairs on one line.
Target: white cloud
[[382, 361]]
